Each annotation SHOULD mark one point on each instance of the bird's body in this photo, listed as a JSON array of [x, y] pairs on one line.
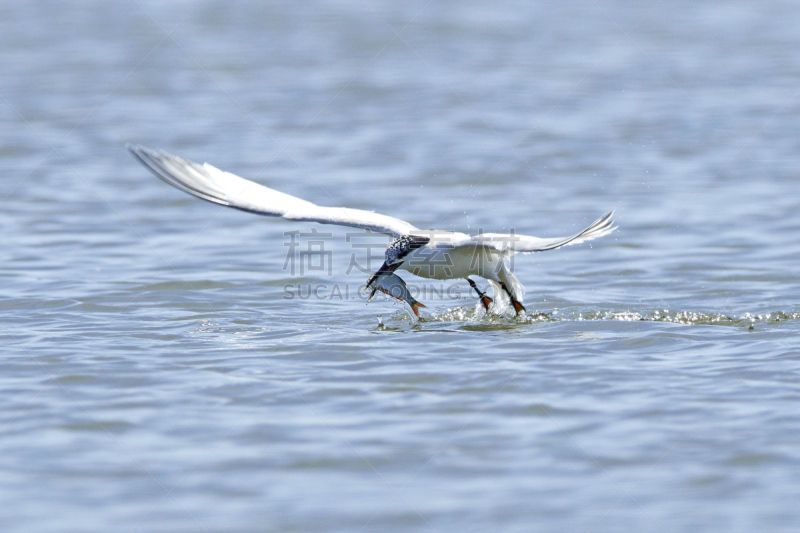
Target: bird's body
[[440, 255]]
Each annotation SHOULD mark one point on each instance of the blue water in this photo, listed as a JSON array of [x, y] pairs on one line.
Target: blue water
[[162, 369]]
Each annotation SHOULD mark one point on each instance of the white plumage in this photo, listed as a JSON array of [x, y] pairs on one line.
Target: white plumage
[[429, 254]]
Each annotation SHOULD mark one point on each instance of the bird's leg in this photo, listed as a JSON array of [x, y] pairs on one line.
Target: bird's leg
[[518, 307], [485, 300]]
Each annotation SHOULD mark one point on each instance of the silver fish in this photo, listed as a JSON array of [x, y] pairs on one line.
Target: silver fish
[[394, 286]]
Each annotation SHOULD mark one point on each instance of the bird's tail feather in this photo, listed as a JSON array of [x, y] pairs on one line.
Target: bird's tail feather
[[501, 300], [511, 281]]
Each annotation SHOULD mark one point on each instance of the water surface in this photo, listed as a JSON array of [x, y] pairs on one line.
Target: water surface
[[156, 376]]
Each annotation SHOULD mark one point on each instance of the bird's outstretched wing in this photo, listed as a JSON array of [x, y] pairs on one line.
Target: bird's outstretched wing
[[212, 184], [512, 243]]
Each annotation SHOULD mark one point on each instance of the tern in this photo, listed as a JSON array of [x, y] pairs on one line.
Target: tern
[[432, 254]]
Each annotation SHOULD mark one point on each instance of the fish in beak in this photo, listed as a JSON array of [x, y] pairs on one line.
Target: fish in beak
[[386, 268], [393, 286]]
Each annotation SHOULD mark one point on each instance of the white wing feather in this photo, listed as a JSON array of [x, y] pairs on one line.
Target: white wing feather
[[512, 243], [215, 185]]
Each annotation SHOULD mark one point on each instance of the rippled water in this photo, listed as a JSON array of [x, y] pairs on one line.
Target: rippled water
[[159, 374]]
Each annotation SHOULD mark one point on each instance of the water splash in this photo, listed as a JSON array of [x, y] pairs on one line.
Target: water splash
[[698, 318], [692, 317]]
